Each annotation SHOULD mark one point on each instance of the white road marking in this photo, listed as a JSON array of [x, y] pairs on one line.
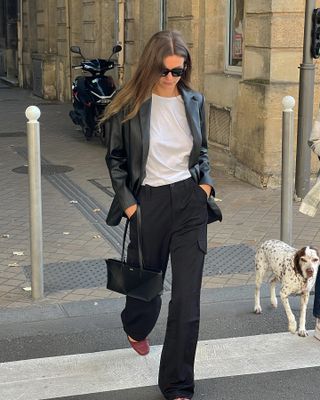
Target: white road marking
[[52, 377]]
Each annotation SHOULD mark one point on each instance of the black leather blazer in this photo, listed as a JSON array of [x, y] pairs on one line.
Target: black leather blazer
[[128, 147]]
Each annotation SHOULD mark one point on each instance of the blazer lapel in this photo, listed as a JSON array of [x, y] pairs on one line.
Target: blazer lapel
[[144, 119], [193, 117]]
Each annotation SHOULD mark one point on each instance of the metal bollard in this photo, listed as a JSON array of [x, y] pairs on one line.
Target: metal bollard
[[288, 103], [34, 169]]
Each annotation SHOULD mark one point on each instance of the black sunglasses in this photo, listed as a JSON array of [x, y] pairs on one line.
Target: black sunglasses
[[175, 72]]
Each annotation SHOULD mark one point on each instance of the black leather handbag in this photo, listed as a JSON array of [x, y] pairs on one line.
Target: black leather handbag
[[133, 281]]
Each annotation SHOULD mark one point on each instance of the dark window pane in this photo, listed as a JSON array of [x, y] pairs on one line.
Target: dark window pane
[[236, 32], [12, 9]]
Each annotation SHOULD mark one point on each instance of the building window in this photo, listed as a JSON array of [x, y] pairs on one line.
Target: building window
[[235, 35]]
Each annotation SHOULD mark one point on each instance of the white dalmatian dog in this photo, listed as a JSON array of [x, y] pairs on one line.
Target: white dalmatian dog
[[296, 270]]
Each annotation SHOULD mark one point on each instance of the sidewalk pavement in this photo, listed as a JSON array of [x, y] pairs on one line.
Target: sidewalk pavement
[[76, 239]]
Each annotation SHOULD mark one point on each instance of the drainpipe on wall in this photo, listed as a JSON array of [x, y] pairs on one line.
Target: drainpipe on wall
[[305, 111], [163, 15], [120, 37], [20, 43], [69, 66]]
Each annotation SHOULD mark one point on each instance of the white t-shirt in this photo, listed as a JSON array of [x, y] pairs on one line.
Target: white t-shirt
[[171, 142]]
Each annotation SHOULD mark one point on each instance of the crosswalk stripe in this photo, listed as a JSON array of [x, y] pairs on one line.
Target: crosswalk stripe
[[53, 377]]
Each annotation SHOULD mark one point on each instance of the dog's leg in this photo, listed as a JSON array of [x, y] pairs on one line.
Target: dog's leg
[[261, 266], [303, 308], [257, 305], [274, 300], [292, 324]]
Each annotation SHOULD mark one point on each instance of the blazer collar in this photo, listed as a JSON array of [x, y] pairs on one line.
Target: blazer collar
[[188, 95], [144, 120], [192, 113], [191, 106]]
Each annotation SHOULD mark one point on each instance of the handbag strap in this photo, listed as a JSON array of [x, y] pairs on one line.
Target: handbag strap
[[141, 261], [124, 240]]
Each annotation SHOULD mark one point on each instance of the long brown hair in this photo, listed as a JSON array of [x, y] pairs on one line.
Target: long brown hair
[[139, 88]]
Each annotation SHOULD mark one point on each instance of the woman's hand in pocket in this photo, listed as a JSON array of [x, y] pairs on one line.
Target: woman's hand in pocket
[[207, 189], [131, 210]]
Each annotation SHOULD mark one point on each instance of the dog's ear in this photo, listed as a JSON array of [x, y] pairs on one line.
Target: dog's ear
[[296, 260], [316, 250]]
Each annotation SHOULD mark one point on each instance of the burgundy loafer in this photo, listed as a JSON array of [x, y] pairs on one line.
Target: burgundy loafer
[[142, 347]]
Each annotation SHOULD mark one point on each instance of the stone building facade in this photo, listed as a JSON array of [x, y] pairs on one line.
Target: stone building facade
[[246, 55]]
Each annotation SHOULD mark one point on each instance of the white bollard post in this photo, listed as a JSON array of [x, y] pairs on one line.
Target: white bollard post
[[288, 103], [34, 170]]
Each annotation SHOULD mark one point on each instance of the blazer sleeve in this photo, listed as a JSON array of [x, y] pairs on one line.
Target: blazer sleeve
[[314, 141], [204, 163], [116, 160]]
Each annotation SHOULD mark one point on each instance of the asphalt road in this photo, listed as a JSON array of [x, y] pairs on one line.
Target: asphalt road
[[96, 327]]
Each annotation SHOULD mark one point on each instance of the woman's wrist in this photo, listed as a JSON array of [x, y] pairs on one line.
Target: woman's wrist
[[131, 210], [207, 188]]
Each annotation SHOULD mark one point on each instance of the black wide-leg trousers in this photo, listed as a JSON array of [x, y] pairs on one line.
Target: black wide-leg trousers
[[174, 222]]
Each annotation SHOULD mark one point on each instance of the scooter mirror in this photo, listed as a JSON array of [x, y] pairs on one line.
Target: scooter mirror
[[116, 48], [75, 49]]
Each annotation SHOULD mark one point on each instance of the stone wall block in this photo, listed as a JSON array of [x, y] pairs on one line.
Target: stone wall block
[[218, 93], [41, 17], [215, 27], [179, 8], [256, 64], [61, 32], [287, 30], [89, 11], [130, 31], [61, 3], [76, 23], [40, 39], [256, 7], [131, 54], [250, 153], [185, 26], [273, 135], [258, 30], [61, 15], [317, 72], [40, 5], [285, 65], [49, 80], [149, 20], [214, 62], [283, 6], [61, 47], [89, 32], [107, 32], [63, 86], [267, 6], [247, 140]]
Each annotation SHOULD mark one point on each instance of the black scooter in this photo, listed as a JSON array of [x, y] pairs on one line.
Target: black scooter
[[91, 94]]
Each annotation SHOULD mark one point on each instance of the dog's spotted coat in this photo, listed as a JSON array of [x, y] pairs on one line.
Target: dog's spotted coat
[[295, 269]]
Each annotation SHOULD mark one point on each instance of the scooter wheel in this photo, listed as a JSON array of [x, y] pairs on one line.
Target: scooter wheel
[[102, 135], [87, 133]]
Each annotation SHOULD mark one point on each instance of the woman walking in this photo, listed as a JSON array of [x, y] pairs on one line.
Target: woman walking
[[157, 159]]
